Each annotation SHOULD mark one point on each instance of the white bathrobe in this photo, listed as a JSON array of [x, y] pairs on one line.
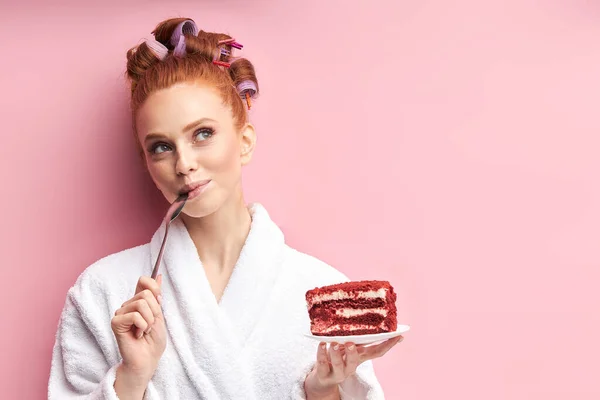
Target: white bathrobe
[[248, 346]]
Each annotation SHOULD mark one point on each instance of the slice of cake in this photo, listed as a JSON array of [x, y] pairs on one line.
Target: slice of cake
[[352, 308]]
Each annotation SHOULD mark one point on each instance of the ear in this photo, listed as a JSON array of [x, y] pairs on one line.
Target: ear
[[247, 143]]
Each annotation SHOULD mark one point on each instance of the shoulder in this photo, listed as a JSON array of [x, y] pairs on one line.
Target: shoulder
[[101, 287], [113, 274]]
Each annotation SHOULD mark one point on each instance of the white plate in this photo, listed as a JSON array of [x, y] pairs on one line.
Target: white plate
[[361, 339]]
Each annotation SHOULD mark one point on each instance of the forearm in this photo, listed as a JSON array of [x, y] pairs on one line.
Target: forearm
[[128, 386]]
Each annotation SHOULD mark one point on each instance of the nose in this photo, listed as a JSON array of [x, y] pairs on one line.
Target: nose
[[186, 161]]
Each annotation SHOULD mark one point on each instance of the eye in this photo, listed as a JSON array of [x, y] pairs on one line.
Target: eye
[[204, 134], [158, 148]]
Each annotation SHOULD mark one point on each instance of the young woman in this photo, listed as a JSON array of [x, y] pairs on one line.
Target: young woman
[[226, 317]]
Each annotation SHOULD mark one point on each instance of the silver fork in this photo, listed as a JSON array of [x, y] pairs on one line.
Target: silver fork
[[172, 213]]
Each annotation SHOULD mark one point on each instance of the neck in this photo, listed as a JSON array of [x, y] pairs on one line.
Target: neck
[[220, 236]]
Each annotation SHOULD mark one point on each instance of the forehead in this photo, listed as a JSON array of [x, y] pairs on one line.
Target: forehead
[[169, 110]]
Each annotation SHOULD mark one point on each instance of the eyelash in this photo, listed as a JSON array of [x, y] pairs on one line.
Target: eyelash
[[200, 131]]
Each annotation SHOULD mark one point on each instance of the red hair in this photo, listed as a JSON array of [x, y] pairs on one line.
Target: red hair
[[147, 73]]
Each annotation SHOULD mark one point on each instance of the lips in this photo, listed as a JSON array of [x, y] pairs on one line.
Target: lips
[[192, 186], [194, 189]]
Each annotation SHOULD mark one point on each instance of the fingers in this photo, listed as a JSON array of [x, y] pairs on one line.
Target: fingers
[[352, 359], [140, 312], [140, 306], [144, 296], [147, 283], [371, 352], [341, 361], [323, 367], [124, 322], [337, 362]]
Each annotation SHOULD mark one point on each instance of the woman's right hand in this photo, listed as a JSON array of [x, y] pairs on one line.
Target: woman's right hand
[[139, 327]]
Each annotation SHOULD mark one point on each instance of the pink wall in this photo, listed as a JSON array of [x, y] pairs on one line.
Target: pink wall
[[450, 147]]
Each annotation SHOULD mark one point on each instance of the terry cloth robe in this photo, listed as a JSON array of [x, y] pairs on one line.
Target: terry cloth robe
[[248, 346]]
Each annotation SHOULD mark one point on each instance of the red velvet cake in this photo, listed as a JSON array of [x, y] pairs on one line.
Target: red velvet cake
[[352, 308]]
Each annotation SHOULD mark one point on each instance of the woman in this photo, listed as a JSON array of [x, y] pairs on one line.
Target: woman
[[226, 317]]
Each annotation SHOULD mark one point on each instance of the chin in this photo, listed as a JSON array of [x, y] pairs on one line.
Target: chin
[[201, 207]]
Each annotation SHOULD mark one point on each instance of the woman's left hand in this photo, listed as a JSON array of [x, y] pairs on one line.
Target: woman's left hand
[[333, 367]]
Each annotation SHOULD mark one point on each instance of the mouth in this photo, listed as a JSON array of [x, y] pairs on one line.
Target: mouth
[[194, 189]]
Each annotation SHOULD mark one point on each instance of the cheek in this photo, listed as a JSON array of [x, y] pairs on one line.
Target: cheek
[[158, 172], [227, 160]]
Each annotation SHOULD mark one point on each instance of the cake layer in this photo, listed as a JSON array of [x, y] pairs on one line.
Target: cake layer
[[325, 329], [347, 312], [350, 291], [353, 286], [355, 304], [371, 318], [345, 295], [376, 321]]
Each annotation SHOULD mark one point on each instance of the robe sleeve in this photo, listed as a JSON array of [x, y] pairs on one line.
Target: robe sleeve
[[79, 368], [363, 385]]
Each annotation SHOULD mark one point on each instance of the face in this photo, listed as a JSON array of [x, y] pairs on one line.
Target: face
[[190, 142]]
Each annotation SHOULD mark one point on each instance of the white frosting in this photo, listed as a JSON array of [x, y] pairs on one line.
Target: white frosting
[[342, 295], [349, 327], [351, 312]]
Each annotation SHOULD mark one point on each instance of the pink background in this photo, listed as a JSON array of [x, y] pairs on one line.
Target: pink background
[[450, 147]]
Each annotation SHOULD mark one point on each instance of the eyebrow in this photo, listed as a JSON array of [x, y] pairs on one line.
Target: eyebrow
[[188, 127]]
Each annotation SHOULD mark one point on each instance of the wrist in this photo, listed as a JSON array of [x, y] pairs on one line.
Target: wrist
[[332, 394], [129, 384], [316, 391]]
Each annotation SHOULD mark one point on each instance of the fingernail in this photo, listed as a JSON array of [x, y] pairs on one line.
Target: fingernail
[[148, 331], [323, 345], [140, 334], [351, 347], [336, 347], [159, 299]]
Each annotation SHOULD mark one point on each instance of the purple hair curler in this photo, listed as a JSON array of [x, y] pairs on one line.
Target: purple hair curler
[[247, 90], [179, 50], [247, 86], [187, 27]]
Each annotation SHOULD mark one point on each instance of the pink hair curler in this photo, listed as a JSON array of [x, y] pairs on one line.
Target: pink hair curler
[[157, 48]]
